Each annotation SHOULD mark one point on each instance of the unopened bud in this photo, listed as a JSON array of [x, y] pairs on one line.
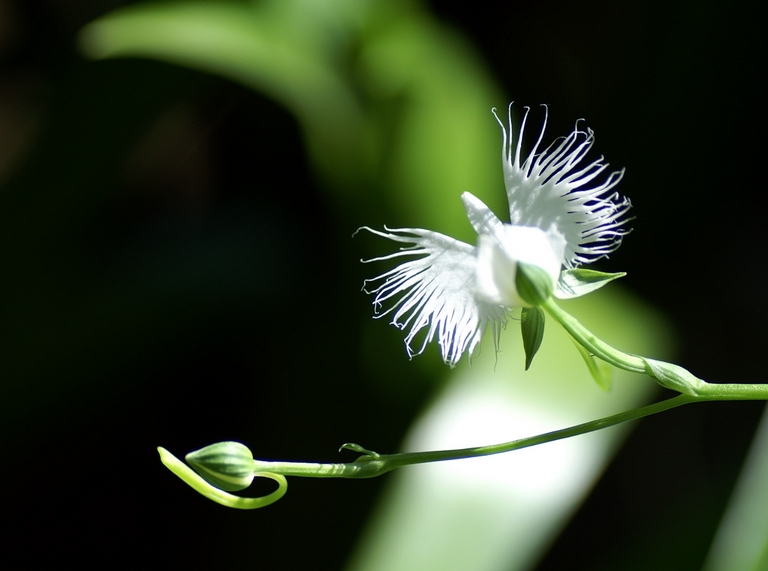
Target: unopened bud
[[534, 284], [227, 465]]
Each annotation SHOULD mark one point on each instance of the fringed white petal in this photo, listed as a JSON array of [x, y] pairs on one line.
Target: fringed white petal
[[436, 292], [553, 188]]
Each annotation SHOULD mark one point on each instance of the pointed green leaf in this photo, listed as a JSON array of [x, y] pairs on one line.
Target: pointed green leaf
[[532, 324], [600, 371], [575, 283]]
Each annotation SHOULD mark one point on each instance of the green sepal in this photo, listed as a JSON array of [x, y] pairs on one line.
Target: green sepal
[[532, 326], [575, 283], [600, 371], [227, 465], [534, 284]]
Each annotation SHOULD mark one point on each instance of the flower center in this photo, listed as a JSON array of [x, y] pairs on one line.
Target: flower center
[[499, 253]]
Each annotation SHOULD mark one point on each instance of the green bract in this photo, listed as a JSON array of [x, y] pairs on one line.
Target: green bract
[[578, 282]]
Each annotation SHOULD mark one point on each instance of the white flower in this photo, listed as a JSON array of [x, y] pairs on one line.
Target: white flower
[[557, 220]]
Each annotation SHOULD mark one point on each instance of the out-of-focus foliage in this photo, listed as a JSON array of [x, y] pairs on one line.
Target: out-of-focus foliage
[[742, 539], [387, 99]]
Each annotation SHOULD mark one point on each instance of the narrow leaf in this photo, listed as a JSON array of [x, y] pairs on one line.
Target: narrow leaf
[[600, 371], [532, 325]]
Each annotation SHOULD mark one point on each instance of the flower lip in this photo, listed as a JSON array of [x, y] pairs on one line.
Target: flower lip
[[497, 261]]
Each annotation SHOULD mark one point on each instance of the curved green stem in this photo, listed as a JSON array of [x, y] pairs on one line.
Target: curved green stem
[[667, 375], [592, 343], [372, 465]]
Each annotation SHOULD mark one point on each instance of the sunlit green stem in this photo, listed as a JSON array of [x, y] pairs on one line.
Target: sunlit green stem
[[722, 392], [371, 465], [592, 343], [668, 375], [231, 457]]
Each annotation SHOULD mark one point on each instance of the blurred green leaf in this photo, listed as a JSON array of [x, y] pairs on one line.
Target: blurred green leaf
[[741, 543], [601, 372], [385, 96], [259, 47]]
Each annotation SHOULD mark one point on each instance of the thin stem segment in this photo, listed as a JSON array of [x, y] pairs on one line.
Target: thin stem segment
[[592, 342], [371, 465], [668, 375]]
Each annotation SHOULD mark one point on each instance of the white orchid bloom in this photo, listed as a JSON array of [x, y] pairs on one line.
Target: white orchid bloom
[[557, 221]]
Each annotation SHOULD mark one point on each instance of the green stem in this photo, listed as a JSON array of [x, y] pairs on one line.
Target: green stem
[[372, 465], [592, 343], [667, 375], [735, 391]]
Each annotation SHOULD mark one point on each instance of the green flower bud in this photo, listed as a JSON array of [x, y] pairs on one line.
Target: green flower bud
[[534, 284], [227, 465]]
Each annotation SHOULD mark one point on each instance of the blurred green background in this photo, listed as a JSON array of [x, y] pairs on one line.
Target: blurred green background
[[177, 267]]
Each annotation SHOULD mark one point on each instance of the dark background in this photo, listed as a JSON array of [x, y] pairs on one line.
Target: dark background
[[171, 274]]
